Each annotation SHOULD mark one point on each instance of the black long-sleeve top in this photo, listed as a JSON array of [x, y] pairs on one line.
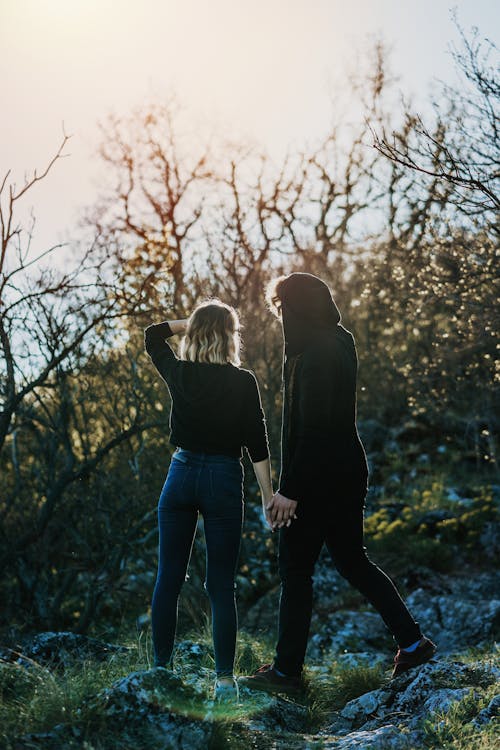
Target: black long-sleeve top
[[216, 409], [321, 447]]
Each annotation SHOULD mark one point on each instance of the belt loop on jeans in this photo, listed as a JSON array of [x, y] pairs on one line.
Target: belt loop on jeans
[[178, 455]]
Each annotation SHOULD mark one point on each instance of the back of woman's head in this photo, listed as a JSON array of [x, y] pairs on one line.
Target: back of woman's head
[[212, 334]]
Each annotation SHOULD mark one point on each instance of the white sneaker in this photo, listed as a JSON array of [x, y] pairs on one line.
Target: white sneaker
[[226, 693]]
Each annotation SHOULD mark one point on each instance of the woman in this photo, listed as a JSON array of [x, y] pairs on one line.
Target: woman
[[216, 410]]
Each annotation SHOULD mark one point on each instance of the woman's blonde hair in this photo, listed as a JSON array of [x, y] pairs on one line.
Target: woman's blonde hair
[[212, 334]]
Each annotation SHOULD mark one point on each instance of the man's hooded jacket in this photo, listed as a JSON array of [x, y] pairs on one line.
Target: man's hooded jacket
[[321, 449]]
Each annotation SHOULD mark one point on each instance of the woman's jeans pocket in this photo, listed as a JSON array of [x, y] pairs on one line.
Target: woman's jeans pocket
[[226, 488], [174, 488]]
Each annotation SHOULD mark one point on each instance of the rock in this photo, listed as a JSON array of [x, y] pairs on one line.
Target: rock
[[190, 658], [370, 720], [163, 732], [388, 737], [262, 617], [432, 688], [348, 631], [490, 540], [144, 688], [274, 713], [360, 709], [287, 715], [360, 659], [452, 495], [492, 711], [137, 583], [435, 687], [328, 584], [191, 652], [456, 621], [415, 687], [60, 649], [61, 736], [485, 673], [441, 700], [156, 702]]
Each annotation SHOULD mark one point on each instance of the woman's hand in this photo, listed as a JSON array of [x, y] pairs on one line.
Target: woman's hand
[[266, 513], [263, 474], [178, 326]]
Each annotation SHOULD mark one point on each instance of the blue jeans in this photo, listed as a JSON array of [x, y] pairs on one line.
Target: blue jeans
[[213, 486]]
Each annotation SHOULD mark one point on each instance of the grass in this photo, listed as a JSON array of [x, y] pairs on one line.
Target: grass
[[342, 684], [453, 730], [36, 699], [486, 652]]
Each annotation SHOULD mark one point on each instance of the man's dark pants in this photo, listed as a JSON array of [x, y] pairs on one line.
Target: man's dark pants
[[334, 519]]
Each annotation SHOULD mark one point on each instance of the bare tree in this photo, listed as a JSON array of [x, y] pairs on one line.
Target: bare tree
[[462, 147], [149, 211], [59, 319]]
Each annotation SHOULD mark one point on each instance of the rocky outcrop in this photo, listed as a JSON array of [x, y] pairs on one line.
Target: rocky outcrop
[[414, 696], [464, 615], [349, 631], [59, 649], [152, 709], [456, 613], [492, 711], [159, 709], [389, 718], [387, 737]]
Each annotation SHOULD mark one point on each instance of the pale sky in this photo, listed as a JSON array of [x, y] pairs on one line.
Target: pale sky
[[265, 69]]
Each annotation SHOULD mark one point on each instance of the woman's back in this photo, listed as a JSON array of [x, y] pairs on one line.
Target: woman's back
[[216, 408]]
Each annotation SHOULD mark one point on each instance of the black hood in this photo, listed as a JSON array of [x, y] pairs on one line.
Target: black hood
[[307, 308]]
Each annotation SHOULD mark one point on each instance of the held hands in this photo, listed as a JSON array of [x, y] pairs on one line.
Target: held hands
[[280, 511]]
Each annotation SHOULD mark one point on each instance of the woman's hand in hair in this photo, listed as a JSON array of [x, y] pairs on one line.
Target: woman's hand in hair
[[281, 511], [178, 326]]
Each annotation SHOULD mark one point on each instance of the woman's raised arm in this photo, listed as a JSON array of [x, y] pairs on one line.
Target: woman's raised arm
[[155, 343]]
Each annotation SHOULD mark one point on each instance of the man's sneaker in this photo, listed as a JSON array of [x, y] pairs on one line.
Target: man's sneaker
[[225, 692], [267, 679], [405, 660]]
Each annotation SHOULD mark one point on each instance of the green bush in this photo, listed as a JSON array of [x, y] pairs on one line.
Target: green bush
[[430, 530]]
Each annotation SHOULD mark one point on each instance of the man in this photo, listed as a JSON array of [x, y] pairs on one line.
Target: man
[[323, 483]]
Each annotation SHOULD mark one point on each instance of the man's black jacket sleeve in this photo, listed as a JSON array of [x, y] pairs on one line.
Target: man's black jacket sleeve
[[312, 409]]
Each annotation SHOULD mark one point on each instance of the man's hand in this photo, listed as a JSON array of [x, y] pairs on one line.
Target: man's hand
[[281, 511]]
